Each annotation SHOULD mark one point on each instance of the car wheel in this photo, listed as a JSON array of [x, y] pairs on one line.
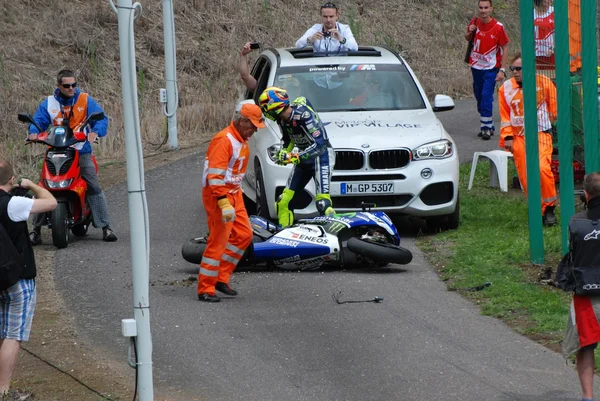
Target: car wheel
[[249, 205], [262, 205], [454, 217]]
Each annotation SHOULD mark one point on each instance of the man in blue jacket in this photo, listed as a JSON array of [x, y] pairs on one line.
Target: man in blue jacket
[[69, 106]]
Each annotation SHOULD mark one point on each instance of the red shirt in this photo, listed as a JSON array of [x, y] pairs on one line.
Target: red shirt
[[544, 38], [487, 44]]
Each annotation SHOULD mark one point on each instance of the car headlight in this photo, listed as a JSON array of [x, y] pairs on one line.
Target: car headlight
[[272, 152], [58, 184], [435, 150]]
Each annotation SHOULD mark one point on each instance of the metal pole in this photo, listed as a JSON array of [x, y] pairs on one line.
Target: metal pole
[[138, 209], [536, 237], [589, 60], [565, 129], [170, 72]]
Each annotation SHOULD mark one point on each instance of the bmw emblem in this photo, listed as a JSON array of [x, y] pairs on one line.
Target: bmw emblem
[[365, 145]]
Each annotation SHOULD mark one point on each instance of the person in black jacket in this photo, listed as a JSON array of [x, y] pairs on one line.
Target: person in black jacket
[[17, 302], [577, 272]]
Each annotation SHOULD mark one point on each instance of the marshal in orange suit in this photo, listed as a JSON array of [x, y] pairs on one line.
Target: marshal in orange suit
[[512, 131], [228, 223]]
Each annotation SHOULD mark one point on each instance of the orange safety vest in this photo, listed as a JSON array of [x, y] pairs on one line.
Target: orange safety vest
[[225, 163], [76, 114], [510, 97]]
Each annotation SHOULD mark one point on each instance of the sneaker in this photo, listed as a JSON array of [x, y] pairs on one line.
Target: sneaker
[[486, 134], [35, 237], [206, 297], [479, 134], [549, 218], [108, 235], [225, 289], [15, 395]]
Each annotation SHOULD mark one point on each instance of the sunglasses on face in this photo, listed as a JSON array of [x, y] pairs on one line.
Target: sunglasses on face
[[67, 86], [513, 68]]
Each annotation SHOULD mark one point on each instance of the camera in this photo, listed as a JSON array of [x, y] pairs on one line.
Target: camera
[[254, 45], [326, 34], [20, 191]]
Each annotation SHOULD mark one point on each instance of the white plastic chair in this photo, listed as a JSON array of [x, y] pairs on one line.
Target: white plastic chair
[[498, 168]]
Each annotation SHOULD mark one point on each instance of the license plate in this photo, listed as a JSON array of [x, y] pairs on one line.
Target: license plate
[[366, 188]]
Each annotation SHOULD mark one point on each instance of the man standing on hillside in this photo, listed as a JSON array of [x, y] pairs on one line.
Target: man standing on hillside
[[490, 43], [228, 223], [17, 302], [578, 269], [70, 107], [329, 36], [512, 132]]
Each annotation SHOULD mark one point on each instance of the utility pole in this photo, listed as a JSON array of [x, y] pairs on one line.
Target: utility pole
[[139, 329], [172, 97]]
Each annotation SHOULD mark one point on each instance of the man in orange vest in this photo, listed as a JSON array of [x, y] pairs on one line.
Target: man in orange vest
[[512, 132], [228, 224]]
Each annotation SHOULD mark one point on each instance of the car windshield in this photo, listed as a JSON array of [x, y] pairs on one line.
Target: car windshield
[[352, 87]]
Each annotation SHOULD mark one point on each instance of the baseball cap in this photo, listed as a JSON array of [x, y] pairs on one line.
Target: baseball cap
[[253, 113]]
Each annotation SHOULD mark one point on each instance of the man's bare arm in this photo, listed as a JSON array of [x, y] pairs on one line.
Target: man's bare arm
[[244, 69], [44, 201]]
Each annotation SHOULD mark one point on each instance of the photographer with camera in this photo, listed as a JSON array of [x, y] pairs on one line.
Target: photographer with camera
[[330, 36], [17, 282]]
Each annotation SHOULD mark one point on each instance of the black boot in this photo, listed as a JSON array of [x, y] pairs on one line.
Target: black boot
[[108, 235], [225, 289], [206, 297], [35, 236], [549, 217]]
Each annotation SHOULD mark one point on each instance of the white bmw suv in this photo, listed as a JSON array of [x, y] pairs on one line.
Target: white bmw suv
[[391, 150]]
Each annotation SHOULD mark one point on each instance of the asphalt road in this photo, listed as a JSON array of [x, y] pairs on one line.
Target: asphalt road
[[283, 337]]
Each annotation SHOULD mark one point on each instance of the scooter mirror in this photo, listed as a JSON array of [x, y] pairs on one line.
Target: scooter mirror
[[25, 118], [97, 116]]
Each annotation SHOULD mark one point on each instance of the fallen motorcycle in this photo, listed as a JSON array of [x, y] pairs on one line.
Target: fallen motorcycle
[[342, 240]]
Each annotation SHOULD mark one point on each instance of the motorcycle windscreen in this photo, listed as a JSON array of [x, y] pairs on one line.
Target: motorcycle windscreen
[[60, 137]]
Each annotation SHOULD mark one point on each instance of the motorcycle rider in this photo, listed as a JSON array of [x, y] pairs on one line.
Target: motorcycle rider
[[69, 106], [301, 127]]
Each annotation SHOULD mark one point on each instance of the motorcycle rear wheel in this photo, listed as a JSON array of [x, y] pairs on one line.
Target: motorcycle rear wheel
[[193, 250], [80, 230], [380, 252], [59, 220]]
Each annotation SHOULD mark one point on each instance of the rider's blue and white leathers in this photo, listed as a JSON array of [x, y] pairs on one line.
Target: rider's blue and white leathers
[[305, 130]]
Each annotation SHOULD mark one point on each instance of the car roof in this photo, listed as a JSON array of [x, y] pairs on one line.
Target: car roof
[[292, 57]]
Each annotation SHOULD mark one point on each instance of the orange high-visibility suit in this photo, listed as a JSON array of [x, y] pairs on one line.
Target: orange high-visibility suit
[[224, 168], [512, 116], [574, 10]]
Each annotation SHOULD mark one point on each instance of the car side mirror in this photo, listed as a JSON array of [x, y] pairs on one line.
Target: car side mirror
[[442, 103]]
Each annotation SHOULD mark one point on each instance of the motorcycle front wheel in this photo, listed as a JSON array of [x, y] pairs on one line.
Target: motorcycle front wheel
[[59, 219], [380, 252]]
